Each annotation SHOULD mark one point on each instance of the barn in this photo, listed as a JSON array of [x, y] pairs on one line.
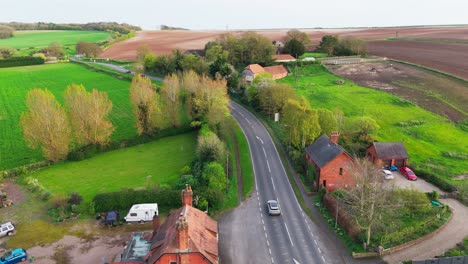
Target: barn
[[386, 154]]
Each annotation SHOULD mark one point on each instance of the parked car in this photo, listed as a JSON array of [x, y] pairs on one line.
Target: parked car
[[273, 207], [388, 175], [128, 71], [7, 229], [408, 173], [14, 256]]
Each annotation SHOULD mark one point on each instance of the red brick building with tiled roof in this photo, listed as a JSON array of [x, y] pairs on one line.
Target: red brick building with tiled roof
[[251, 71]]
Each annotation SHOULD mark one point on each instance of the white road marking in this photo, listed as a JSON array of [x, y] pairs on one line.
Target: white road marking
[[260, 139], [315, 241], [269, 249], [320, 251], [268, 164], [264, 228], [268, 243], [295, 261], [241, 114], [272, 261], [323, 259], [248, 121], [289, 235], [274, 188], [263, 222], [264, 152]]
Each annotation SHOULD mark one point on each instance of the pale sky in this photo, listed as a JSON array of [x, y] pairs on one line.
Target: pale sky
[[240, 14]]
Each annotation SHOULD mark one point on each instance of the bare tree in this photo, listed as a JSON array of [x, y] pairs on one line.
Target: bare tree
[[369, 199], [45, 125]]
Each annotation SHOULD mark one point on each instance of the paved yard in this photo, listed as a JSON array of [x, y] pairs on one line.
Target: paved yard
[[454, 232]]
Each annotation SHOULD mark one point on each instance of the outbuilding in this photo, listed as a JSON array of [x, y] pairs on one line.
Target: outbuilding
[[386, 154]]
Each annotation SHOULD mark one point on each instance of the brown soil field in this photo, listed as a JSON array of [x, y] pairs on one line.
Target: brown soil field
[[425, 88], [165, 41], [446, 57]]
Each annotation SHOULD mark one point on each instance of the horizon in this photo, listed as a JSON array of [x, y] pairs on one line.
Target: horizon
[[244, 14]]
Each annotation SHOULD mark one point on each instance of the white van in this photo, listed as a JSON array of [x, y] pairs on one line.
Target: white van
[[142, 212]]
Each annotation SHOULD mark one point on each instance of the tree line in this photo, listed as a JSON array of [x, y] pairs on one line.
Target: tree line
[[6, 32], [121, 28]]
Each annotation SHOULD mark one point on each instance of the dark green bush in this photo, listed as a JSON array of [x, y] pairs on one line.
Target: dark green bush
[[21, 61], [123, 200]]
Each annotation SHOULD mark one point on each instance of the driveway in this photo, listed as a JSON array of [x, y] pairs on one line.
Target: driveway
[[454, 232]]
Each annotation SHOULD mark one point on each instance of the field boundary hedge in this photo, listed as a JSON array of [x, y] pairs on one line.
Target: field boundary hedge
[[21, 61], [429, 69]]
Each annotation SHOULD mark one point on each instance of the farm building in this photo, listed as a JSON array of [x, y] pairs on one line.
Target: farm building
[[329, 163], [251, 71], [188, 235], [283, 58], [385, 154]]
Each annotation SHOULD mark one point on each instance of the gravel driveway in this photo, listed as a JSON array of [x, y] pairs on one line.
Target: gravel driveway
[[454, 232]]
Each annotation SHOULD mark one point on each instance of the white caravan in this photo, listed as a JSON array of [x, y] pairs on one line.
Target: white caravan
[[142, 212]]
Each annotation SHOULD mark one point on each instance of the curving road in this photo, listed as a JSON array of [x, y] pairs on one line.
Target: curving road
[[256, 236]]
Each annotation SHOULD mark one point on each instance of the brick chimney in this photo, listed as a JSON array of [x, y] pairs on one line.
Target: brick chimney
[[334, 137], [182, 233], [187, 195], [156, 224]]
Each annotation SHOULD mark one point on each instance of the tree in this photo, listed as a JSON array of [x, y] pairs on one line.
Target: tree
[[7, 52], [90, 49], [294, 47], [328, 44], [141, 52], [54, 49], [273, 98], [215, 175], [89, 115], [145, 102], [366, 125], [300, 36], [350, 46], [302, 122], [210, 148], [6, 32], [45, 125], [327, 120], [170, 92], [195, 63], [369, 199]]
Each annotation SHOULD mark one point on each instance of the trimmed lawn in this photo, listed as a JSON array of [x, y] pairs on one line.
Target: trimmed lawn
[[126, 168], [16, 82], [313, 54], [30, 40], [245, 161], [428, 143]]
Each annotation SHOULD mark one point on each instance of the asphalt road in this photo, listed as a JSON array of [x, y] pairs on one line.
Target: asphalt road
[[255, 236]]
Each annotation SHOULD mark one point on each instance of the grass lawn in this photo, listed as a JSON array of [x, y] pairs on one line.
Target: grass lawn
[[245, 162], [313, 54], [16, 82], [427, 144], [125, 168], [30, 40]]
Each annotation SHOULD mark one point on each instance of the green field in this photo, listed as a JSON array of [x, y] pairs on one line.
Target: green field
[[427, 143], [42, 38], [313, 54], [125, 168], [16, 82]]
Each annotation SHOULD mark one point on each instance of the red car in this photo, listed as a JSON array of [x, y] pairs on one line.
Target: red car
[[408, 173]]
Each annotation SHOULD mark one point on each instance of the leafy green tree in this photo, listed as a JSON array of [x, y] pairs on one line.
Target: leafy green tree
[[327, 120], [214, 174], [90, 49], [302, 37], [210, 148], [294, 47], [195, 63], [366, 125], [302, 122], [328, 44]]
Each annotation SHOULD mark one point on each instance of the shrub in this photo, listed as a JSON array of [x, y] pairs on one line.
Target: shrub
[[186, 179], [75, 199], [45, 195], [21, 61], [58, 201], [123, 200]]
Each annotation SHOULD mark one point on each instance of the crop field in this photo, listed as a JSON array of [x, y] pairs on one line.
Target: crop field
[[158, 162], [429, 138], [30, 40], [15, 84]]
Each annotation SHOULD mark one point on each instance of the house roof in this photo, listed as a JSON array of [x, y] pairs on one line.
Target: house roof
[[390, 150], [321, 151], [255, 68], [202, 233], [277, 69], [283, 57]]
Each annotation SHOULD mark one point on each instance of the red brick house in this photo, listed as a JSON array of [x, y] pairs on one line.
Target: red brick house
[[188, 236], [251, 71], [283, 58], [329, 163], [385, 154]]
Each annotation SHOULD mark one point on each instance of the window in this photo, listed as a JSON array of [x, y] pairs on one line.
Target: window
[[172, 262], [133, 214], [341, 171]]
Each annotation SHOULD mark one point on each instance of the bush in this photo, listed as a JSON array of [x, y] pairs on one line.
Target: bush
[[21, 61], [123, 200], [75, 199]]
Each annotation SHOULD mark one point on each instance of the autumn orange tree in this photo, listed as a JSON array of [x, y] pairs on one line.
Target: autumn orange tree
[[89, 115], [45, 125], [145, 102], [170, 92]]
